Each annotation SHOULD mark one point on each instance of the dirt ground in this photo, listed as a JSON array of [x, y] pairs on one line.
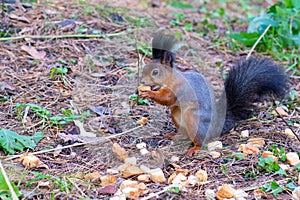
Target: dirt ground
[[101, 76]]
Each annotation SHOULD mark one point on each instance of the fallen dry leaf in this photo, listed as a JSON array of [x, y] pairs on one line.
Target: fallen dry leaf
[[30, 161], [21, 19], [107, 180], [109, 189], [35, 54]]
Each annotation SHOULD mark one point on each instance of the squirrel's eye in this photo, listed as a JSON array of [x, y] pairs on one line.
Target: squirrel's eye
[[154, 72]]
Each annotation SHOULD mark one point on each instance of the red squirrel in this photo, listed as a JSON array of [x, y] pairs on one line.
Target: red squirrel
[[194, 110]]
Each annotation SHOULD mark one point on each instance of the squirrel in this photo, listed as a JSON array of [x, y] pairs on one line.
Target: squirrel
[[194, 109]]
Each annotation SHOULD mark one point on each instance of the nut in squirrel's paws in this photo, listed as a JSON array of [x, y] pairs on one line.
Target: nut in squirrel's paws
[[143, 91]]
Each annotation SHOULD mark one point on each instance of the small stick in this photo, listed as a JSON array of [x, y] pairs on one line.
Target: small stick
[[288, 125], [257, 41], [12, 192], [138, 63], [60, 36], [76, 144]]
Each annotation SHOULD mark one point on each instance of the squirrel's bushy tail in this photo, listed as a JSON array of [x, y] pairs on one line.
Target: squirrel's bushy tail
[[246, 82]]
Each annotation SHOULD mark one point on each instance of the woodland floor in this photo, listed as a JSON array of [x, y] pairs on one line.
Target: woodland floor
[[101, 75]]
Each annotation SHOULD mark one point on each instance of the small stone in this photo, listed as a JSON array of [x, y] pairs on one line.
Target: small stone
[[132, 189], [119, 151], [292, 158], [289, 133], [118, 197], [240, 194], [182, 171], [296, 193], [192, 180], [130, 160], [128, 183], [143, 178], [144, 152], [171, 178], [214, 146], [210, 194], [157, 176], [284, 167], [225, 192], [131, 192], [174, 159], [245, 133], [141, 145], [112, 171], [201, 175], [145, 168], [214, 154], [179, 179]]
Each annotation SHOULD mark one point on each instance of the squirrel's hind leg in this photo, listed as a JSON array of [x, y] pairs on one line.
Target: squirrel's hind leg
[[191, 121], [176, 118]]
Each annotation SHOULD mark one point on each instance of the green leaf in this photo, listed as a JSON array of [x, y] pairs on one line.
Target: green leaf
[[273, 187], [239, 156], [133, 97], [4, 189], [188, 26], [181, 5], [11, 141], [290, 185], [174, 189], [247, 39], [260, 23]]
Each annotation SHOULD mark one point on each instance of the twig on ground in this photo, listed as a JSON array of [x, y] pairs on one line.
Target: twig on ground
[[60, 36], [138, 62], [76, 144], [257, 41], [157, 193], [12, 192], [288, 125]]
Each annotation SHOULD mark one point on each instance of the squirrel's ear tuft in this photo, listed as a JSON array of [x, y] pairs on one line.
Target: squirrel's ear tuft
[[163, 48]]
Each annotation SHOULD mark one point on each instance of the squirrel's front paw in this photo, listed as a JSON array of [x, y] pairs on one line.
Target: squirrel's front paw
[[144, 94]]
